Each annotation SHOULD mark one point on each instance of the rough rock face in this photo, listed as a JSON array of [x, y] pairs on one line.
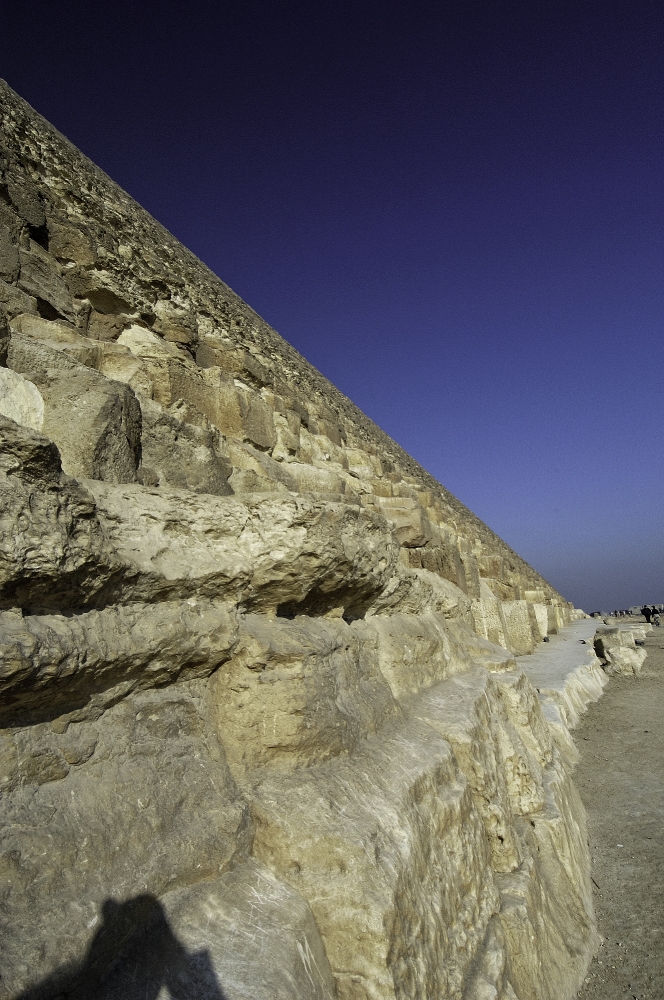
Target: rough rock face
[[262, 731]]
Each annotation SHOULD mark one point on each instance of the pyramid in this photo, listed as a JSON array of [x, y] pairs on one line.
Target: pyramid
[[264, 729]]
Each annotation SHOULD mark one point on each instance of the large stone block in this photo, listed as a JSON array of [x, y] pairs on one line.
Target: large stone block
[[617, 649], [263, 552], [177, 453], [40, 277], [519, 627], [95, 422], [409, 519], [20, 400], [489, 620], [53, 553], [296, 693], [10, 264], [14, 301], [392, 861], [138, 803], [244, 936], [80, 664]]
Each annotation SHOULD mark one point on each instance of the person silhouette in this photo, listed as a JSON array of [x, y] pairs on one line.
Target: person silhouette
[[133, 954]]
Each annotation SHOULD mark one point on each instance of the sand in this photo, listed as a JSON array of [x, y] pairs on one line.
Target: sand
[[621, 780]]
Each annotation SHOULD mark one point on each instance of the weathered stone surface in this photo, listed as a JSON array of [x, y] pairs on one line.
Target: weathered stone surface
[[20, 400], [95, 422], [80, 664], [181, 454], [14, 301], [10, 264], [245, 936], [40, 278], [298, 692], [618, 652], [122, 820], [52, 549], [262, 552], [519, 627]]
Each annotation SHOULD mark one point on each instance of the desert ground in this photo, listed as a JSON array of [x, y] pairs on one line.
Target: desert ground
[[620, 776]]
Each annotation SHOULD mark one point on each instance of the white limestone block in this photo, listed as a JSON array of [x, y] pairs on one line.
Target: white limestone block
[[519, 628], [20, 400]]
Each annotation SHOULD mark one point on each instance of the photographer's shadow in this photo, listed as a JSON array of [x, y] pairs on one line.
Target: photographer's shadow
[[133, 956]]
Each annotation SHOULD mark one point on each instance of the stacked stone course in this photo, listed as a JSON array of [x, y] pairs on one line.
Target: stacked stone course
[[257, 665]]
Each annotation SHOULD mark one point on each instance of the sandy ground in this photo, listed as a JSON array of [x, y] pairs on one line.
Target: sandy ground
[[621, 780]]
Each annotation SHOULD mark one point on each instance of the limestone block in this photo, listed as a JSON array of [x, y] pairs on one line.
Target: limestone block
[[52, 550], [555, 619], [143, 343], [392, 861], [419, 591], [82, 663], [121, 365], [311, 478], [20, 400], [471, 576], [122, 820], [519, 627], [287, 431], [500, 588], [180, 454], [258, 422], [14, 301], [470, 714], [40, 277], [100, 287], [617, 650], [95, 422], [443, 557], [494, 658], [60, 336], [236, 412], [23, 193], [413, 652], [213, 352], [488, 617], [175, 321], [318, 448], [547, 953], [296, 693], [244, 936], [261, 551], [542, 619], [411, 523], [107, 326], [69, 242], [10, 264], [256, 472], [363, 464]]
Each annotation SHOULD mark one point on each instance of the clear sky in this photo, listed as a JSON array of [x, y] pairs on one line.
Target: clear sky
[[454, 210]]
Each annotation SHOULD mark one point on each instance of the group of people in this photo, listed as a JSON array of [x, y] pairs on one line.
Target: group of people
[[651, 614]]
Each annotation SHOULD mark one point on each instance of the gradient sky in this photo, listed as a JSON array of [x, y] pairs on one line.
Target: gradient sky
[[454, 210]]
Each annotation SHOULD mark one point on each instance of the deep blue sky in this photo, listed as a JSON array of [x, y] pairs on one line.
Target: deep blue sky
[[454, 210]]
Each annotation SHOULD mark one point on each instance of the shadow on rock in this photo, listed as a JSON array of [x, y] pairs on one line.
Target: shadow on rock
[[134, 954]]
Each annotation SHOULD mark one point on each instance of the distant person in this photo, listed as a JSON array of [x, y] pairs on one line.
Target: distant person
[[646, 612]]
